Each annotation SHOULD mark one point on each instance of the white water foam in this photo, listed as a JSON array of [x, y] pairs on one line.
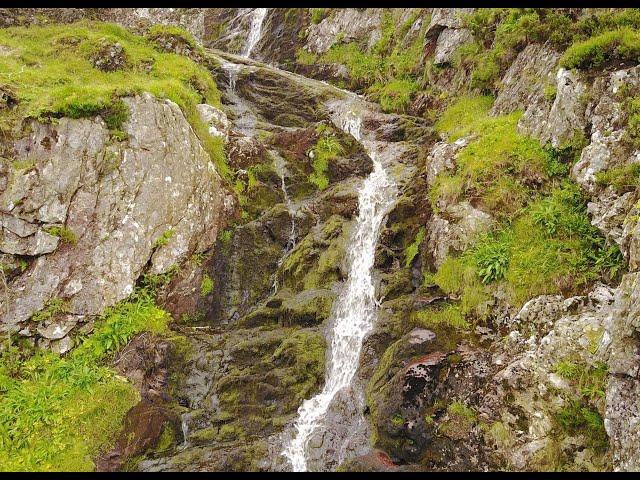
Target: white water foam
[[255, 31], [356, 307]]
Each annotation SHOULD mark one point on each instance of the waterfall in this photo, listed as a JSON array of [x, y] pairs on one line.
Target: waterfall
[[355, 312], [255, 31], [280, 166]]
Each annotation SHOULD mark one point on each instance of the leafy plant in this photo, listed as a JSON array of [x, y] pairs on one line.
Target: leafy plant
[[206, 287], [327, 148], [492, 259]]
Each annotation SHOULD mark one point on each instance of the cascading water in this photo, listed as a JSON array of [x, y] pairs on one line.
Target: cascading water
[[281, 169], [355, 313], [255, 31]]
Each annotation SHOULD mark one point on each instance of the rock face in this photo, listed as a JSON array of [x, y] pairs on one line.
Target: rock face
[[120, 208], [350, 23], [523, 85]]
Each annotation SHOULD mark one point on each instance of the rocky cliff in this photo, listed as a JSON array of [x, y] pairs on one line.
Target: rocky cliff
[[219, 194]]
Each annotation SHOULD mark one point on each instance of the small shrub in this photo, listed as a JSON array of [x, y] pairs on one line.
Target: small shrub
[[163, 239], [326, 149], [53, 307], [206, 287], [64, 233]]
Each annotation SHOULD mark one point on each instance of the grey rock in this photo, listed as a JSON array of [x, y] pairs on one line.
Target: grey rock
[[442, 159], [215, 118], [350, 23], [448, 42], [566, 115], [118, 200], [447, 18], [454, 229], [522, 87], [57, 329]]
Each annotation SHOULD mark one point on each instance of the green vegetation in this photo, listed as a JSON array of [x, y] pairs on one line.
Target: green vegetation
[[318, 14], [206, 287], [543, 241], [56, 413], [624, 178], [388, 71], [53, 307], [163, 239], [64, 233], [575, 418], [327, 148], [51, 74], [632, 109], [499, 167], [617, 45], [413, 249], [500, 33]]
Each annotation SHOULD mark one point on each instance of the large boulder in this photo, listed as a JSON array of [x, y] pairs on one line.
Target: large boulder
[[119, 208]]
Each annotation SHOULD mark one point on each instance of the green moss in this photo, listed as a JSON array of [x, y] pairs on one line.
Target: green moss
[[57, 413], [412, 250], [460, 409], [327, 148], [318, 14], [305, 351], [450, 315], [206, 286], [53, 76], [64, 233]]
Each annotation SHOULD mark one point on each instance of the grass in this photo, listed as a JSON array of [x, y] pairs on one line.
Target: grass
[[388, 71], [56, 413], [617, 45], [550, 247], [543, 242], [498, 167], [623, 179], [50, 73]]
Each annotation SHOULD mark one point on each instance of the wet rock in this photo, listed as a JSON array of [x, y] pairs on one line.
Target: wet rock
[[144, 425], [216, 119], [376, 461], [401, 429]]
